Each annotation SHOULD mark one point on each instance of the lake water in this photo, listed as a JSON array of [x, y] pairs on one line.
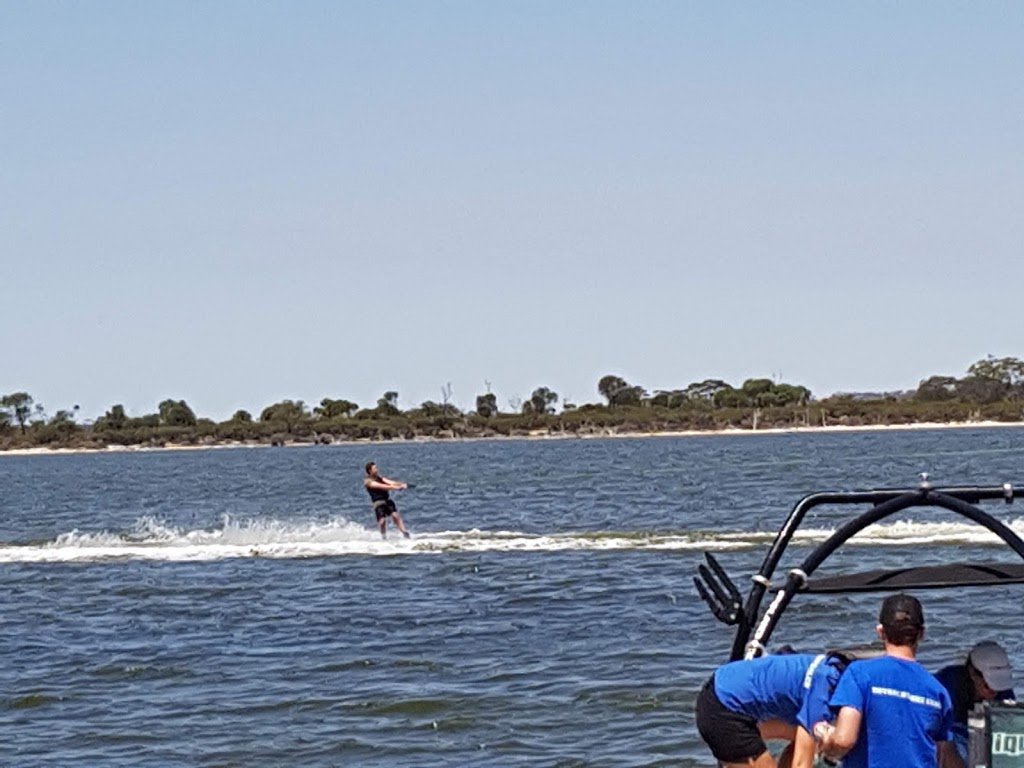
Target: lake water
[[236, 607]]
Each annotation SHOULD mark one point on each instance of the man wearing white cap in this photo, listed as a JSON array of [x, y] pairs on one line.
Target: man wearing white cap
[[986, 675]]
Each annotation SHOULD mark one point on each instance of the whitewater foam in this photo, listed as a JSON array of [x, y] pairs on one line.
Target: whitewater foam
[[152, 539]]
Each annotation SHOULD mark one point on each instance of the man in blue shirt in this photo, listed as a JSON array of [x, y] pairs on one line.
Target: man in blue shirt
[[891, 710], [773, 697], [985, 676]]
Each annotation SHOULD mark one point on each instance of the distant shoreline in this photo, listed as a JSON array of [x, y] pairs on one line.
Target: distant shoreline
[[539, 435]]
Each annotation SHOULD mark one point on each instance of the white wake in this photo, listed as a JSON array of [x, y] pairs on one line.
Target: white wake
[[152, 539]]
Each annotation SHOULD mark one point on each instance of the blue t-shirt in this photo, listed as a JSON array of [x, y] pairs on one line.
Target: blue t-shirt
[[905, 712], [793, 688]]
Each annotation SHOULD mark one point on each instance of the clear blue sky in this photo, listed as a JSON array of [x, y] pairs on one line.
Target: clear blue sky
[[234, 203]]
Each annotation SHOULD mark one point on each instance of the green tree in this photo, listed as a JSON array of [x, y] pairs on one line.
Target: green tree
[[673, 398], [660, 399], [619, 392], [176, 413], [936, 389], [64, 421], [242, 417], [1008, 370], [632, 396], [981, 389], [542, 401], [758, 392], [388, 404], [706, 390], [18, 406], [432, 410], [333, 409], [287, 412], [64, 417], [487, 405], [113, 419], [731, 398], [791, 394], [610, 386]]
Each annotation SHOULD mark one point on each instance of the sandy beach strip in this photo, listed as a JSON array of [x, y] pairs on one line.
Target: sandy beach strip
[[538, 435]]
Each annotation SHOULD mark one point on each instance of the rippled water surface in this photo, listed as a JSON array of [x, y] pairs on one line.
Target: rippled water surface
[[236, 607]]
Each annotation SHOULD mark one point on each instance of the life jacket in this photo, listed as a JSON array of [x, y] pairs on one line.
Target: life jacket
[[376, 494]]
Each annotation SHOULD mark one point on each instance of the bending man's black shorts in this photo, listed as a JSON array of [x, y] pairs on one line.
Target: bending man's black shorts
[[384, 509], [733, 738]]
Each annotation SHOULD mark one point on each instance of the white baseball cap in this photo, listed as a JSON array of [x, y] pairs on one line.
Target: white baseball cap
[[992, 662]]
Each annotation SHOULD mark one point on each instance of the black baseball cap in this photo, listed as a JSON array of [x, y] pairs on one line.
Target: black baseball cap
[[901, 610]]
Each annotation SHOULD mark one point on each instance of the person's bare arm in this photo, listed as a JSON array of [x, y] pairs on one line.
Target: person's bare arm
[[947, 756], [804, 748], [843, 736], [379, 486], [394, 485]]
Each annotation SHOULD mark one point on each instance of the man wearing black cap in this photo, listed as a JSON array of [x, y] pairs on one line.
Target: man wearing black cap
[[891, 710]]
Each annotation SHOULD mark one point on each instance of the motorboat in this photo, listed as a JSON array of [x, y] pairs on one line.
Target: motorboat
[[996, 728]]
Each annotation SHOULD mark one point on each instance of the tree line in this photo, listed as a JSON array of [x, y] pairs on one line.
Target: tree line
[[992, 389]]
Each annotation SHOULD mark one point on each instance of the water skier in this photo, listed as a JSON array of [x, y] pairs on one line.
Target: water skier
[[379, 488]]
